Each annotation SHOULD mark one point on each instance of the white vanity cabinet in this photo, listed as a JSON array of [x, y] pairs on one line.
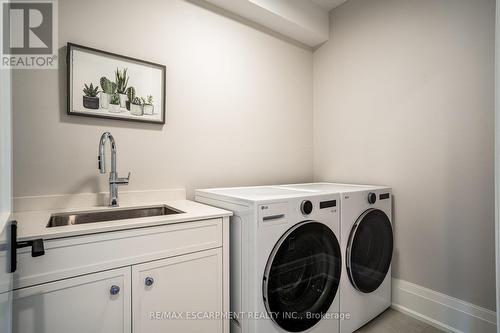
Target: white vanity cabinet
[[128, 281], [98, 303], [181, 294]]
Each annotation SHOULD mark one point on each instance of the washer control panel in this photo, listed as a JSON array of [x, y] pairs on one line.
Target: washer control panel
[[327, 204], [306, 207], [372, 198]]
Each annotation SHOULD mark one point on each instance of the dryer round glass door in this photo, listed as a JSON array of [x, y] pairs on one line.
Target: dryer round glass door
[[369, 250], [302, 276]]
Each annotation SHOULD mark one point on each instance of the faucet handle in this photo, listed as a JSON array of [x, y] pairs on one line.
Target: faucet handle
[[122, 180]]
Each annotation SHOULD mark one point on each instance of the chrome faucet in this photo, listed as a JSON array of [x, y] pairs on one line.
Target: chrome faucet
[[114, 180]]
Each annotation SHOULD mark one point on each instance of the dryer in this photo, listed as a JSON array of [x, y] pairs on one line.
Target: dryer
[[285, 258], [367, 245]]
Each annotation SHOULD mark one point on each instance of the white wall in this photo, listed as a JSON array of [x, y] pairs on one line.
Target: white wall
[[403, 96], [5, 190], [5, 145], [238, 104]]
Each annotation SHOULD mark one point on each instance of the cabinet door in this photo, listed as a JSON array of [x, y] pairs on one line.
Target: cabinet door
[[97, 303], [181, 294]]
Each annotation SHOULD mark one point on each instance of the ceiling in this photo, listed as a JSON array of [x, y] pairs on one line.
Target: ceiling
[[328, 4]]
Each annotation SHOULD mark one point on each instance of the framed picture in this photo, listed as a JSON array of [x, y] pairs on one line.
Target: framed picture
[[107, 85]]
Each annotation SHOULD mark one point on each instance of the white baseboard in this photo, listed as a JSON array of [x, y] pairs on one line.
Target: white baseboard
[[442, 311]]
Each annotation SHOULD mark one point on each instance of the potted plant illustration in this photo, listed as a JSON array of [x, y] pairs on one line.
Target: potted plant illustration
[[114, 104], [90, 99], [148, 105], [108, 88], [136, 107], [130, 96], [121, 80]]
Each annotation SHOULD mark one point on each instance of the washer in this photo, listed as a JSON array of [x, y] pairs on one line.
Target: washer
[[285, 258], [367, 246]]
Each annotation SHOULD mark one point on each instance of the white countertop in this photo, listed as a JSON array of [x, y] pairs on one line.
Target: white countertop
[[32, 224]]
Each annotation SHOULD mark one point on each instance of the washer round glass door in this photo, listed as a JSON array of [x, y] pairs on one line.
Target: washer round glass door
[[302, 276], [369, 250]]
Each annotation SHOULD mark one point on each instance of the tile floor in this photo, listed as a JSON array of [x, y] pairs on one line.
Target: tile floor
[[392, 321]]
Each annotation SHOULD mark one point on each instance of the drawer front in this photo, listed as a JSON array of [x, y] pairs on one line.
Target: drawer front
[[69, 257]]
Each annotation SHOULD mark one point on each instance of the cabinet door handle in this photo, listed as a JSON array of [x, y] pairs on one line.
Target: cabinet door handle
[[37, 248], [149, 281], [114, 290]]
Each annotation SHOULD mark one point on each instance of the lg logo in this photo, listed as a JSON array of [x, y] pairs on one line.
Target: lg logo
[[28, 28]]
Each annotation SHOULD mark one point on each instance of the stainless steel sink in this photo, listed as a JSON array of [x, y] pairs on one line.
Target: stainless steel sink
[[62, 219]]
